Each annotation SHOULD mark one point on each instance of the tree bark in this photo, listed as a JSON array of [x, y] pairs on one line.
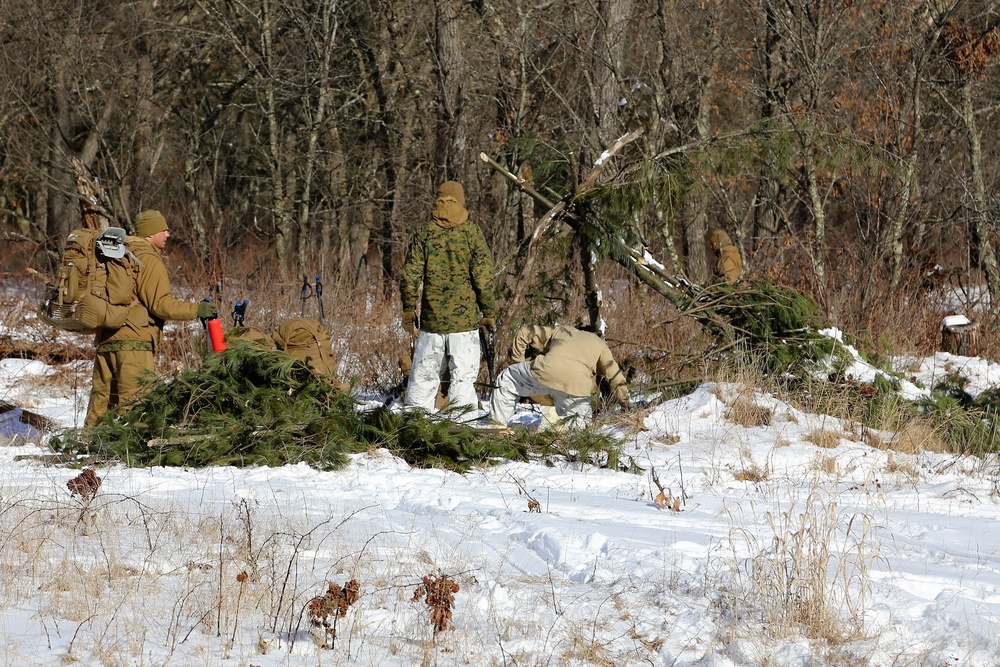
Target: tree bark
[[981, 227], [610, 43], [450, 154]]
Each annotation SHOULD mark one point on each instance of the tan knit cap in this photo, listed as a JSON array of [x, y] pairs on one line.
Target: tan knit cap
[[149, 222]]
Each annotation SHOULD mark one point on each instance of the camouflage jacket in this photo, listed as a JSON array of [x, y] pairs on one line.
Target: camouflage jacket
[[154, 303], [455, 268]]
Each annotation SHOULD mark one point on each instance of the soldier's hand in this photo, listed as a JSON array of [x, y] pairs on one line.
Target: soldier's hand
[[410, 323], [206, 309], [488, 324], [621, 395]]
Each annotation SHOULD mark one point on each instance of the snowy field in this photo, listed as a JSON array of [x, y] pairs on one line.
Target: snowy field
[[796, 544]]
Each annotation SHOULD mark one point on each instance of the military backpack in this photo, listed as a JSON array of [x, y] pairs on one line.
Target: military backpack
[[95, 283], [306, 339]]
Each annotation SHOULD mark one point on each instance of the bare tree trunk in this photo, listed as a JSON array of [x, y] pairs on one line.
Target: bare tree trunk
[[817, 249], [592, 295], [909, 182], [609, 54], [508, 37], [279, 197], [981, 228], [329, 34], [63, 210], [451, 145], [769, 199]]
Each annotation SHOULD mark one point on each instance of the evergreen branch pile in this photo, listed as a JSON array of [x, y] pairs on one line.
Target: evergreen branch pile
[[250, 406], [245, 406], [439, 443], [778, 325]]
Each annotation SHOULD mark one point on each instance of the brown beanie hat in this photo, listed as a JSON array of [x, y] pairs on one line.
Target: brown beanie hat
[[148, 223], [452, 189]]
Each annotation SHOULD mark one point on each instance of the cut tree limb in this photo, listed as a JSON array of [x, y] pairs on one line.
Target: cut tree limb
[[561, 211]]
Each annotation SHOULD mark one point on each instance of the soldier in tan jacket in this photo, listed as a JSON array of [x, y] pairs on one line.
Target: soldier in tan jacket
[[561, 362], [124, 354], [728, 264]]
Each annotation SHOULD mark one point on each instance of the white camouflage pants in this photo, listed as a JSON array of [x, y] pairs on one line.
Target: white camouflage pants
[[516, 381], [432, 353]]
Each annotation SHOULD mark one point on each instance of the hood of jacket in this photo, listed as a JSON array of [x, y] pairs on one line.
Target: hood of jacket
[[449, 209], [719, 238]]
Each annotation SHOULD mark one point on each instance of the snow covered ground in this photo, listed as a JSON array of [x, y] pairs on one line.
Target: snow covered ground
[[796, 544]]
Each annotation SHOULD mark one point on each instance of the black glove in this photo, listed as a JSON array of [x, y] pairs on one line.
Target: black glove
[[206, 309]]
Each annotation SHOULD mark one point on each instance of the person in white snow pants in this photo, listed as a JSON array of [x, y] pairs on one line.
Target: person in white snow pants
[[449, 267]]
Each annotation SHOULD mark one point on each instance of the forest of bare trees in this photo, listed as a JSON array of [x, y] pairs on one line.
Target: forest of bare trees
[[840, 143]]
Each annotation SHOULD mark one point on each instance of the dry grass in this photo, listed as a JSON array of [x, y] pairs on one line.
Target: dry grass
[[825, 464], [631, 422], [896, 466], [745, 412], [919, 435], [753, 473], [824, 437], [807, 575]]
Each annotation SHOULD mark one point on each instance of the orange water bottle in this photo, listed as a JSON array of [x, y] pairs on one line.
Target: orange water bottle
[[215, 335]]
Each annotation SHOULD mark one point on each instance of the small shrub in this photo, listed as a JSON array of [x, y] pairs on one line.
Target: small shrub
[[84, 485], [964, 427], [439, 594], [324, 611]]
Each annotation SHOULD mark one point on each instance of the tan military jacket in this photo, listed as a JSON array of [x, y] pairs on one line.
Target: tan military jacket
[[729, 263], [568, 360], [155, 301]]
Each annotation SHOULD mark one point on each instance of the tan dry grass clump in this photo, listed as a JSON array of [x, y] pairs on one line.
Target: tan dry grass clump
[[809, 574], [895, 466], [824, 437], [747, 413], [752, 473], [827, 464], [918, 435]]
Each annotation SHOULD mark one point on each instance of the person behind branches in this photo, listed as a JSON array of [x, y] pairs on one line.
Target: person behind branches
[[125, 353], [728, 263], [448, 260]]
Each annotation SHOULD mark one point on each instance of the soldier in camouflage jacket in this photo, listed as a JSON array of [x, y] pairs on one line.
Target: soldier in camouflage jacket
[[448, 258]]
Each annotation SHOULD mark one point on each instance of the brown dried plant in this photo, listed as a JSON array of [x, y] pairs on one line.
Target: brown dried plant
[[665, 499], [968, 50], [324, 611], [440, 597], [746, 412], [533, 505], [85, 485]]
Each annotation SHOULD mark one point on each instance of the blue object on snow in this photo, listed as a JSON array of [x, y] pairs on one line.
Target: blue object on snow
[[16, 422]]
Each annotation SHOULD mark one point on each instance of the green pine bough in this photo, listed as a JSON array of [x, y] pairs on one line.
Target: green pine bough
[[250, 406]]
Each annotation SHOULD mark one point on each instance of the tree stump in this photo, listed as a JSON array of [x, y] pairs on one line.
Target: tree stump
[[959, 335]]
